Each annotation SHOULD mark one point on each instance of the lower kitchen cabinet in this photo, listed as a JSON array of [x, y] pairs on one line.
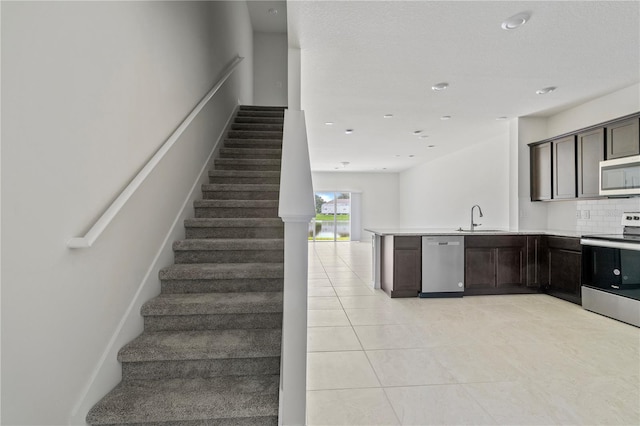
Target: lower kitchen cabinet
[[564, 259], [401, 265], [536, 261], [496, 264]]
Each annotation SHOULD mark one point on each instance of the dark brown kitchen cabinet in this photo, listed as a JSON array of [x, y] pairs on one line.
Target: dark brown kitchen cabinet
[[536, 260], [590, 151], [564, 259], [540, 174], [564, 168], [623, 138], [496, 264], [401, 265]]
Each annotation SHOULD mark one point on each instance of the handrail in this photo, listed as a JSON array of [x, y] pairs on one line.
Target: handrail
[[96, 230]]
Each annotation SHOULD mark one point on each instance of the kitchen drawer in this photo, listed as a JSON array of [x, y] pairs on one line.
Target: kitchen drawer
[[495, 241], [407, 243], [564, 243]]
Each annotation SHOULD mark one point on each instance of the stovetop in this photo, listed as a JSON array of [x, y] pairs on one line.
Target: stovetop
[[627, 238], [631, 234]]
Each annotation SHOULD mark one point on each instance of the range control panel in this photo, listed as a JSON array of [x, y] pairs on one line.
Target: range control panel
[[631, 219]]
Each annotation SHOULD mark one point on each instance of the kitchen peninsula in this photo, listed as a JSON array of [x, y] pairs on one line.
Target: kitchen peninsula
[[450, 263]]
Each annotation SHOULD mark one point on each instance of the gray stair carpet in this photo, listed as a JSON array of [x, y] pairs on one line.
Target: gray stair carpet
[[210, 350]]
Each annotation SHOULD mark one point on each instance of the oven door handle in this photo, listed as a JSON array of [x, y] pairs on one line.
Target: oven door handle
[[611, 244]]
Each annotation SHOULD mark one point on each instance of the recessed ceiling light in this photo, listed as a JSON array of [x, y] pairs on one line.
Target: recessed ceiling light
[[328, 123], [417, 132], [348, 131], [384, 168], [440, 86], [545, 90], [501, 118], [424, 136], [411, 155], [445, 117], [516, 21], [387, 116], [431, 146], [344, 164], [273, 11]]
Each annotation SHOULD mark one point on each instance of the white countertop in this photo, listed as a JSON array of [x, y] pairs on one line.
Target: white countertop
[[451, 231]]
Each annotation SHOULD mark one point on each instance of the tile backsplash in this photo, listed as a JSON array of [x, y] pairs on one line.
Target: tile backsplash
[[603, 216]]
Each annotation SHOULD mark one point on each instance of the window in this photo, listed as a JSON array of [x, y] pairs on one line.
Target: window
[[333, 217]]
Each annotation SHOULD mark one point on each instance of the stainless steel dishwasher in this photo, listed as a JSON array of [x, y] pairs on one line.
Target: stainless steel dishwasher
[[442, 266]]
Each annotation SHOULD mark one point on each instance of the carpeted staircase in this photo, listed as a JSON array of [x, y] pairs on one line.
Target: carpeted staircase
[[210, 350]]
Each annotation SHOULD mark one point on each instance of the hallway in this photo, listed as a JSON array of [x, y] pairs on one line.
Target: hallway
[[515, 359]]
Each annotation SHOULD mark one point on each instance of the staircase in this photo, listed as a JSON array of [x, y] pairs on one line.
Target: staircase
[[210, 350]]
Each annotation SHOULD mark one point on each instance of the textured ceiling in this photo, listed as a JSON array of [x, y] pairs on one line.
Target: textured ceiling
[[361, 60]]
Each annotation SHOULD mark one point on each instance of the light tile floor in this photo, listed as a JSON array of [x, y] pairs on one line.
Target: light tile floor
[[509, 360]]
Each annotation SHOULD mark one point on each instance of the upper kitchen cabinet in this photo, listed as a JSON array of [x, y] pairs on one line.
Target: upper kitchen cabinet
[[568, 166], [564, 168], [540, 157], [623, 138], [590, 151]]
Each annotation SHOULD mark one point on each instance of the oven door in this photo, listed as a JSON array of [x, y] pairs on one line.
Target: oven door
[[611, 268]]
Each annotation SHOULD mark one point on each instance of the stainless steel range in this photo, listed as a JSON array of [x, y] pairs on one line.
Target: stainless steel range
[[611, 272]]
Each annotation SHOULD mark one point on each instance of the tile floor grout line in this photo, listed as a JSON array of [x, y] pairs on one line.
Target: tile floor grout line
[[579, 326]]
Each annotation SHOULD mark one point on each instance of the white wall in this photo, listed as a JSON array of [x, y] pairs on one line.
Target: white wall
[[562, 214], [532, 216], [90, 90], [440, 193], [270, 52], [608, 107], [379, 199]]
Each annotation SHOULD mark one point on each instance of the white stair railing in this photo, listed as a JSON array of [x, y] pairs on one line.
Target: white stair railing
[[110, 213], [296, 208]]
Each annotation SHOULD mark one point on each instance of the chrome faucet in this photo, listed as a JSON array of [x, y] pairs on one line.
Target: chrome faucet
[[473, 225]]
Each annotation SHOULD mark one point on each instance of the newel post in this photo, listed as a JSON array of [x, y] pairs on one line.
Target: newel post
[[296, 208]]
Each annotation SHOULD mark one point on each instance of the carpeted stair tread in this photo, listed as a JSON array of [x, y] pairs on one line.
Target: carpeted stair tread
[[249, 187], [253, 143], [255, 134], [244, 173], [244, 176], [202, 344], [216, 208], [233, 222], [266, 153], [181, 401], [236, 203], [270, 114], [271, 127], [236, 164], [262, 120], [229, 244], [261, 108], [214, 303], [225, 271]]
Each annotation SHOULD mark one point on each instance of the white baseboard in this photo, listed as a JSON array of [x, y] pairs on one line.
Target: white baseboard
[[108, 372]]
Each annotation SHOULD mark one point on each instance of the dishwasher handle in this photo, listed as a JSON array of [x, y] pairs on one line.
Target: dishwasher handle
[[443, 243]]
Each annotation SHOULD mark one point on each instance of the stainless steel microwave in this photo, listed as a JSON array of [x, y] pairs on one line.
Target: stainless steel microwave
[[620, 176]]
